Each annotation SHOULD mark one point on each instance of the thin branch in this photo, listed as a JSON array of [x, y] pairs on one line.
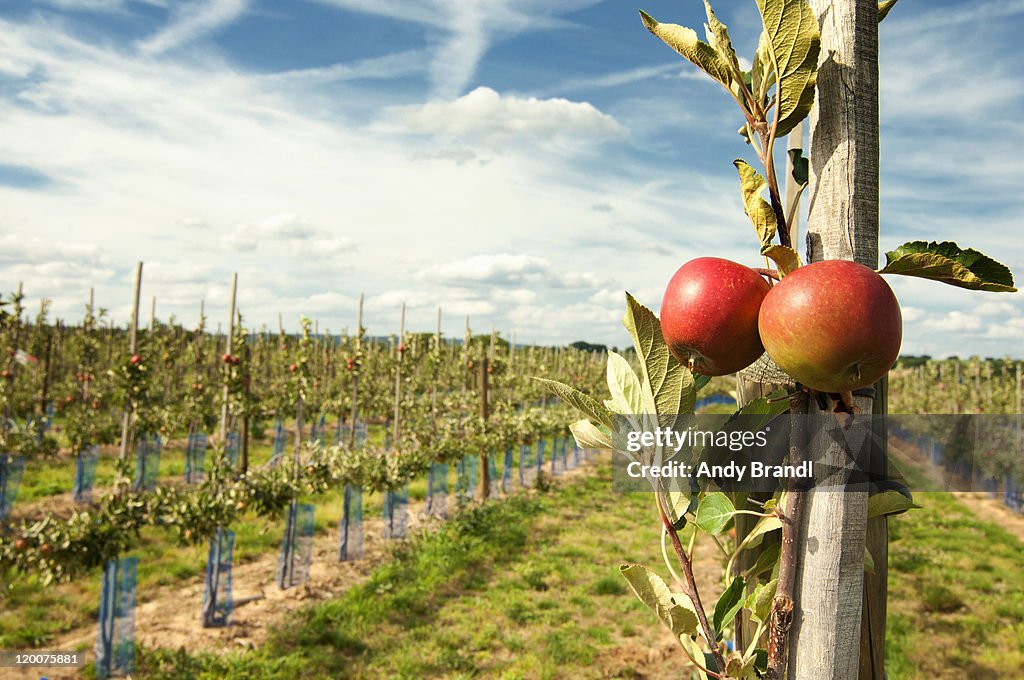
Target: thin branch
[[691, 584], [781, 617]]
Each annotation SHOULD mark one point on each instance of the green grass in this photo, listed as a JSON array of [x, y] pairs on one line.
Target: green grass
[[956, 594]]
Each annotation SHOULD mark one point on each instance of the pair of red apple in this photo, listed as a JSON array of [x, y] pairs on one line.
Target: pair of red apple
[[834, 325]]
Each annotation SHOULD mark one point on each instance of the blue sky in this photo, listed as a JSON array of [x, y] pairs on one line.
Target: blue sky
[[518, 161]]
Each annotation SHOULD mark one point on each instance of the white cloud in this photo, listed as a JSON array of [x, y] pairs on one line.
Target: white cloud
[[487, 117], [192, 21]]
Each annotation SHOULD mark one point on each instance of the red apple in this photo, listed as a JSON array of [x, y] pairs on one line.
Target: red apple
[[834, 326], [135, 360], [709, 315]]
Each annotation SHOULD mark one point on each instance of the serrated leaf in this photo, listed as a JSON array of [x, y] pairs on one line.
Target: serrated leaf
[[757, 209], [714, 512], [784, 257], [719, 39], [699, 381], [889, 503], [653, 592], [766, 560], [582, 402], [793, 46], [729, 604], [685, 41], [883, 9], [949, 263], [589, 436], [665, 380], [624, 386], [801, 166], [759, 602]]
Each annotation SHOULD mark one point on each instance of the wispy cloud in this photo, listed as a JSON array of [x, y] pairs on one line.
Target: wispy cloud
[[194, 20]]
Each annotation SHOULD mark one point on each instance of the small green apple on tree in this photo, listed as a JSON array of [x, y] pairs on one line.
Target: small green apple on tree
[[832, 326]]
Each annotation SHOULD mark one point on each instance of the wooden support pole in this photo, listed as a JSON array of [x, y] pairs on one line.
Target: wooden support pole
[[133, 346], [225, 411], [398, 377], [355, 376], [842, 224]]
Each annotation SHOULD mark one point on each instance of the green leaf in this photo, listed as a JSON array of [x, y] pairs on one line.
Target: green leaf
[[758, 210], [762, 75], [685, 41], [764, 526], [869, 561], [793, 46], [624, 386], [889, 503], [883, 9], [948, 263], [714, 512], [801, 166], [785, 258], [588, 436], [699, 381], [759, 602], [718, 36], [584, 403], [665, 380], [729, 604], [765, 561], [653, 592], [761, 659]]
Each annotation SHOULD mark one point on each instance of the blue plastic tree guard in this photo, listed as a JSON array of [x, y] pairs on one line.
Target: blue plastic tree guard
[[232, 448], [147, 463], [351, 546], [557, 460], [217, 603], [11, 469], [280, 441], [574, 454], [527, 466], [342, 434], [48, 420], [542, 447], [115, 640], [506, 473], [195, 457], [465, 479], [437, 490], [362, 435], [85, 474], [713, 399], [316, 432], [396, 513], [297, 546], [493, 482]]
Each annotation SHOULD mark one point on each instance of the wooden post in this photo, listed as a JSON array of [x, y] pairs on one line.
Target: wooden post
[[355, 376], [133, 345], [842, 224], [795, 140], [225, 410], [398, 376], [485, 455]]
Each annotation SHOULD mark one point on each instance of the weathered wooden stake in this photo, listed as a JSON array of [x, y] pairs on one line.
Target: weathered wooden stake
[[133, 346], [842, 224], [225, 411]]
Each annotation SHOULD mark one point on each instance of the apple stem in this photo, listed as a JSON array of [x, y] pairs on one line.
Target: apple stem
[[769, 273]]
